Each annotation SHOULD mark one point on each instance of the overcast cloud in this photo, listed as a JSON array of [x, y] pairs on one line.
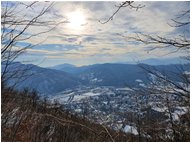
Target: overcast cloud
[[94, 42]]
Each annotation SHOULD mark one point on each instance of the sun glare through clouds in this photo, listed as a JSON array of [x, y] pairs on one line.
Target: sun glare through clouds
[[77, 20]]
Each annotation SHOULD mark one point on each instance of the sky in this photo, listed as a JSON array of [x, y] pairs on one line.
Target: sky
[[81, 39]]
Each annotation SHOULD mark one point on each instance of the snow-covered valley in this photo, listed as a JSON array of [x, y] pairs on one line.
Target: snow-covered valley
[[114, 106]]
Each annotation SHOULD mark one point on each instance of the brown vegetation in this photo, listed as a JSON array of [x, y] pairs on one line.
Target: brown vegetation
[[26, 118]]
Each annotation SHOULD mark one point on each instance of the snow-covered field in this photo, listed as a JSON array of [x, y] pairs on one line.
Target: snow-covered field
[[79, 94]]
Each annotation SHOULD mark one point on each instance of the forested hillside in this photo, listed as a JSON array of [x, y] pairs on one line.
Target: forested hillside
[[26, 118]]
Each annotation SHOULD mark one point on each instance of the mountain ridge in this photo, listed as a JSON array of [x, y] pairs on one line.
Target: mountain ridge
[[50, 81]]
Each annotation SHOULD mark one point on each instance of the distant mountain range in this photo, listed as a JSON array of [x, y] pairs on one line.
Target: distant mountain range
[[66, 76], [110, 74], [43, 80], [161, 61]]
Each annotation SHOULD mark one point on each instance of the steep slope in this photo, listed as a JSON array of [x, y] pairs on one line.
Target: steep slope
[[43, 80], [113, 74], [25, 118], [110, 74]]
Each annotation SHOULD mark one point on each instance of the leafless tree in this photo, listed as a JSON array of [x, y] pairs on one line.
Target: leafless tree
[[25, 117], [17, 20], [182, 41], [172, 93]]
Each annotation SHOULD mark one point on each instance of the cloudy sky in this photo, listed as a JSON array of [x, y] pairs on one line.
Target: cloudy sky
[[82, 39]]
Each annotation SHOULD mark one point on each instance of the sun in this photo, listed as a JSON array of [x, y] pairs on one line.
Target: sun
[[77, 20]]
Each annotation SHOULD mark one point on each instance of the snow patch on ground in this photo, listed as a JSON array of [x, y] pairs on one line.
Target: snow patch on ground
[[179, 112], [159, 109], [138, 80], [63, 98], [85, 95], [130, 129], [96, 80], [124, 89]]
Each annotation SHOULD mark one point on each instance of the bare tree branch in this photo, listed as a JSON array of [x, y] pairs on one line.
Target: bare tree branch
[[122, 5], [15, 25]]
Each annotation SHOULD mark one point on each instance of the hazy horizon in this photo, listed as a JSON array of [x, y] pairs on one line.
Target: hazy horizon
[[149, 61]]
